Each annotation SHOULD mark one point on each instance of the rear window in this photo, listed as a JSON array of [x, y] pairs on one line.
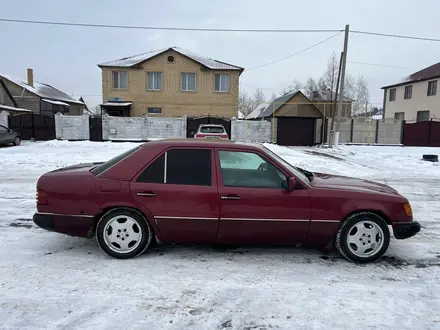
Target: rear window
[[104, 166], [212, 129]]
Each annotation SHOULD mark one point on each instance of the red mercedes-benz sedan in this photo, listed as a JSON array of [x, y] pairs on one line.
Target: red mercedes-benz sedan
[[218, 192]]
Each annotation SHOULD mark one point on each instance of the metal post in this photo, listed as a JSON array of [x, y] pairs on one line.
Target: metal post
[[341, 93], [334, 103]]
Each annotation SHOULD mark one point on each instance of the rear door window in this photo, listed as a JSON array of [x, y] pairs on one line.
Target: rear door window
[[182, 167]]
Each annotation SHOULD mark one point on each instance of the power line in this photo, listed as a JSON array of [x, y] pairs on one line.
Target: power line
[[272, 89], [394, 35], [381, 65], [141, 27], [291, 55]]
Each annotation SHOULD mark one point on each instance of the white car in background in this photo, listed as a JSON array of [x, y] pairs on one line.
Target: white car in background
[[211, 131]]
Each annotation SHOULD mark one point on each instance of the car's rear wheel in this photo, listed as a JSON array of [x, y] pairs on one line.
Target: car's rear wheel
[[123, 233], [17, 141], [363, 237]]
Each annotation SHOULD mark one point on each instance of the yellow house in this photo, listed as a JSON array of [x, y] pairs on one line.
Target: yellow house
[[170, 82]]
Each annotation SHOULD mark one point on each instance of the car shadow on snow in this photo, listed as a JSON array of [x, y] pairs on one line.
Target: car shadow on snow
[[208, 253]]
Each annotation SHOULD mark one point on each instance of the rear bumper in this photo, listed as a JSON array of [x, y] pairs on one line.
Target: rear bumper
[[406, 230], [73, 225]]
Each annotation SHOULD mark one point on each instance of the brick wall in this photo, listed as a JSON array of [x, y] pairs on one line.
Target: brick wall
[[173, 101]]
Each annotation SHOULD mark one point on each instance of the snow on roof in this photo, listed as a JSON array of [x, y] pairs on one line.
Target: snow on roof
[[56, 102], [9, 108], [257, 111], [210, 63], [42, 90], [376, 117], [117, 104], [240, 115]]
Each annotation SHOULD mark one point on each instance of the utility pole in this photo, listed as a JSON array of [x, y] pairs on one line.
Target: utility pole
[[341, 92], [334, 103], [366, 109]]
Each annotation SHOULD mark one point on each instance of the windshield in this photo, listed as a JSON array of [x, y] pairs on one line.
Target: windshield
[[292, 168], [212, 129]]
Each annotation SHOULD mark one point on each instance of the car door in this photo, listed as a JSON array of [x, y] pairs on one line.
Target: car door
[[179, 188], [4, 135], [255, 205]]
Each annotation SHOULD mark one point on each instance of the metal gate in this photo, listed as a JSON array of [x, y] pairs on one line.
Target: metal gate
[[295, 131], [95, 127], [33, 125], [422, 134], [193, 123]]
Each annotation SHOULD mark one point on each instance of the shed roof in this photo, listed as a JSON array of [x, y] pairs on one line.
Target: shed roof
[[132, 61], [42, 90]]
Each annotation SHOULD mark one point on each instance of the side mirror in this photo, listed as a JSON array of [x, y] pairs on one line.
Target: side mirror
[[292, 183]]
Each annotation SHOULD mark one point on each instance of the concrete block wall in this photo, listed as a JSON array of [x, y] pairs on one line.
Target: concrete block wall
[[142, 128], [364, 131], [368, 131], [390, 131], [4, 118], [166, 128], [124, 128], [344, 130], [318, 130], [250, 130], [72, 127]]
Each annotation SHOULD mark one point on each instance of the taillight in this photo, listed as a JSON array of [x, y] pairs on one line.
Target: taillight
[[224, 136], [42, 198], [197, 136]]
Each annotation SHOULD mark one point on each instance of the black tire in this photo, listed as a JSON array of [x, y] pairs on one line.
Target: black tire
[[430, 158], [17, 141], [141, 224], [341, 239]]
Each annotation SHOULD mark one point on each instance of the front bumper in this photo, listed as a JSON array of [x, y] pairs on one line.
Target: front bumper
[[72, 225], [406, 230]]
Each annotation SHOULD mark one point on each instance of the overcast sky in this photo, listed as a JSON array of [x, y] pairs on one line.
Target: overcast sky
[[67, 57]]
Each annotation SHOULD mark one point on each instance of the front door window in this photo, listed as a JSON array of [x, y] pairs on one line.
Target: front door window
[[249, 170]]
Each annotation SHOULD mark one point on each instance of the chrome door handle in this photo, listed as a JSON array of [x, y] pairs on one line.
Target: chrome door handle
[[145, 194], [230, 197]]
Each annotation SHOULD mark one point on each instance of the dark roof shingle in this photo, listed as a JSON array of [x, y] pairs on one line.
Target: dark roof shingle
[[427, 73], [42, 90]]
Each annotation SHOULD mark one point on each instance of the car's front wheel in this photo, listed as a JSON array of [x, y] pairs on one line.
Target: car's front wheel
[[363, 237], [123, 233], [17, 141]]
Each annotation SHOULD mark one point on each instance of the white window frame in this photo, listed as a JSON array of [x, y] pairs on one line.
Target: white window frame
[[187, 75], [118, 79], [220, 82], [154, 87]]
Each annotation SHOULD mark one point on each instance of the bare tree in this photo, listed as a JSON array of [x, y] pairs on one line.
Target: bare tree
[[330, 76], [244, 103], [310, 87], [274, 96], [258, 97], [360, 94]]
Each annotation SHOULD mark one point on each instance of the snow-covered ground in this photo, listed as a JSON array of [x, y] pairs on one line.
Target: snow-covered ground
[[53, 281]]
